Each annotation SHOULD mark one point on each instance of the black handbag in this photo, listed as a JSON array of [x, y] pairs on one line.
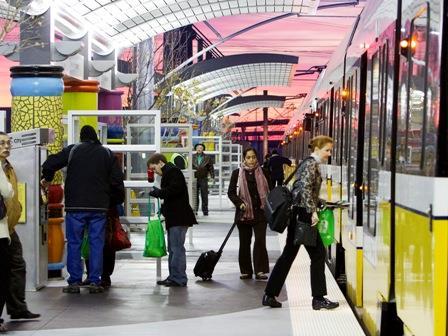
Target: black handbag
[[278, 207], [2, 207], [305, 234]]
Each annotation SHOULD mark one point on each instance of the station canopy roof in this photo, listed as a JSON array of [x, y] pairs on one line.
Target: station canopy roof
[[219, 76], [244, 103], [128, 22]]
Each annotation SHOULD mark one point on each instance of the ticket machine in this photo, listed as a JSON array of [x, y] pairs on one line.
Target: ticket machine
[[28, 152]]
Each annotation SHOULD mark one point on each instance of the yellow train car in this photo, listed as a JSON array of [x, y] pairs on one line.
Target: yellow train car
[[381, 101]]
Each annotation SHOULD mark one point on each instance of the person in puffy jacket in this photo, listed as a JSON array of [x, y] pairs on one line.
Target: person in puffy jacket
[[92, 175]]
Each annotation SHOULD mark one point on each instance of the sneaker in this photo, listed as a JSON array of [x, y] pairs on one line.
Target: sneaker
[[94, 288], [271, 301], [245, 276], [261, 276], [324, 303], [72, 288], [24, 315]]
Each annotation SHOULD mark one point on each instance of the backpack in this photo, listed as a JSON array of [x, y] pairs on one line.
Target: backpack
[[278, 207]]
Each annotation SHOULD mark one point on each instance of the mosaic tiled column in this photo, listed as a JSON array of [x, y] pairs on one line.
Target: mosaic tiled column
[[37, 102], [82, 95]]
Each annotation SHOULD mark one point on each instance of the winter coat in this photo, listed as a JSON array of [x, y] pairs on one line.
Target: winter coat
[[93, 176], [13, 206], [206, 167], [232, 193], [176, 204], [276, 163]]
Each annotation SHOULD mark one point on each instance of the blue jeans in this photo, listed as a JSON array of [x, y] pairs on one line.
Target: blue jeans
[[76, 222], [177, 259]]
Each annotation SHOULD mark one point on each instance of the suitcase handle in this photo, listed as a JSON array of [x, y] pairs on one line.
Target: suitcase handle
[[237, 218]]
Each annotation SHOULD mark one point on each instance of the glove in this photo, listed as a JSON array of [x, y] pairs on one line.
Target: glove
[[155, 192]]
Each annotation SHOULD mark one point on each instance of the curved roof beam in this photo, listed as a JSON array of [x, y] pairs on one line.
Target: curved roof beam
[[131, 21], [216, 76], [251, 102]]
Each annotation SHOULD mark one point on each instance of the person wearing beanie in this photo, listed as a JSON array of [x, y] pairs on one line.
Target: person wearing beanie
[[93, 177]]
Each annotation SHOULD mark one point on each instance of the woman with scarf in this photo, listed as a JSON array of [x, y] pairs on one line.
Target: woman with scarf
[[248, 189]]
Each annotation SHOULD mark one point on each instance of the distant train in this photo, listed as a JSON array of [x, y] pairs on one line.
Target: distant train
[[384, 100]]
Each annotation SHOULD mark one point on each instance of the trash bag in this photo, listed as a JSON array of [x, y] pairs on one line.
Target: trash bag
[[326, 226]]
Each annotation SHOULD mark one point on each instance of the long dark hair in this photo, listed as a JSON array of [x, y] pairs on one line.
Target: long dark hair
[[247, 150]]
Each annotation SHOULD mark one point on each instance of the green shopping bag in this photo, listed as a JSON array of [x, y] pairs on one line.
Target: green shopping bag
[[155, 237], [326, 226], [85, 245]]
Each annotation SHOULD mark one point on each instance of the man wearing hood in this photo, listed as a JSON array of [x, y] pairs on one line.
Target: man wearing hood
[[93, 175]]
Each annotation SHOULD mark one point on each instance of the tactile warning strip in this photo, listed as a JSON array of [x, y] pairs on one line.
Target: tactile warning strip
[[306, 321]]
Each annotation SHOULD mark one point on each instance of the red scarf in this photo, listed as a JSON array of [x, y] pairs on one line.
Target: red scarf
[[244, 194]]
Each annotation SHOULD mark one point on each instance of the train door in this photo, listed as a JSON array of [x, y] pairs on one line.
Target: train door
[[421, 235]]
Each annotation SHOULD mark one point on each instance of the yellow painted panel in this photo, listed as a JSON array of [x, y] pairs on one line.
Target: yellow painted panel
[[359, 273], [376, 270], [82, 101], [383, 249], [440, 238], [371, 311], [329, 189], [414, 271]]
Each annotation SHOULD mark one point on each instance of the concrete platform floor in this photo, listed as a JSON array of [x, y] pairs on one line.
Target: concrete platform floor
[[135, 305]]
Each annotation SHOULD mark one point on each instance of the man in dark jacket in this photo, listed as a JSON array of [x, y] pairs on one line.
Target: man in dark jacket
[[92, 176], [276, 163], [203, 166], [178, 216]]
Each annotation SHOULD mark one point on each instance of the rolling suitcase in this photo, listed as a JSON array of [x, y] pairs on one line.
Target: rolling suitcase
[[207, 261]]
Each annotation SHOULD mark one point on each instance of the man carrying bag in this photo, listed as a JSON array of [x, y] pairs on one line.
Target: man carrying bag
[[178, 216]]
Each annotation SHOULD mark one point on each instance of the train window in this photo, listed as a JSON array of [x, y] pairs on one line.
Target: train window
[[412, 123], [373, 150], [325, 116], [383, 108], [346, 117], [336, 128], [353, 139]]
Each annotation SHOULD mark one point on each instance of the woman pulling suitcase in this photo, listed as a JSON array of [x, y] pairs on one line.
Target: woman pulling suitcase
[[254, 185], [307, 202]]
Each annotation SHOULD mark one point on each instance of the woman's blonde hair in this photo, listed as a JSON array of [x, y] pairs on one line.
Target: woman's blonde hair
[[319, 141]]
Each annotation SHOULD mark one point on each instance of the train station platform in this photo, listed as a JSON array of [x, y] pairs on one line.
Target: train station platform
[[135, 305]]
